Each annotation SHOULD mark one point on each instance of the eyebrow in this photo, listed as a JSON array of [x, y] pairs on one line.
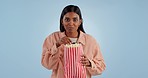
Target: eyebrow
[[73, 17]]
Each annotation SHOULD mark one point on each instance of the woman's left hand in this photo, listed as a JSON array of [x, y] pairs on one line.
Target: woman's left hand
[[84, 61]]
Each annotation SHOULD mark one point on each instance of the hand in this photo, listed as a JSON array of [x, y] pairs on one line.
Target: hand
[[64, 40], [84, 61]]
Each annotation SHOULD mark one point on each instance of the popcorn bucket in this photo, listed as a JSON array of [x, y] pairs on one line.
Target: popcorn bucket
[[72, 65]]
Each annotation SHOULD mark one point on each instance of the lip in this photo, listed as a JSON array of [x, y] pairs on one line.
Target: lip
[[70, 28]]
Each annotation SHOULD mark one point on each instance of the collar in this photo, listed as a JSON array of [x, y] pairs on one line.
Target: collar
[[81, 38]]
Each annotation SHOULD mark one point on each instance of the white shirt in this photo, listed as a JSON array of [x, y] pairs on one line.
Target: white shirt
[[73, 40]]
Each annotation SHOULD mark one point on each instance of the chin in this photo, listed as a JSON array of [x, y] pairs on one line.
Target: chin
[[70, 31]]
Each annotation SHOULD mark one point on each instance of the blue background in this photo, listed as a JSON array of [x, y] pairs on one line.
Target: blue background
[[119, 26]]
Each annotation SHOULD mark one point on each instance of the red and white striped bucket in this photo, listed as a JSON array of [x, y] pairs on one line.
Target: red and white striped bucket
[[72, 65]]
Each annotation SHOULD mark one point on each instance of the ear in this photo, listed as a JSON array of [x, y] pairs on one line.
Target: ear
[[80, 21], [62, 21]]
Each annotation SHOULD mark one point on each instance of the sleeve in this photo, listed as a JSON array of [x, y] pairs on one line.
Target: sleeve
[[97, 62], [50, 54]]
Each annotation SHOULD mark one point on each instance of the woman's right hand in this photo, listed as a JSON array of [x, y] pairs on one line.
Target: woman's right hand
[[63, 40]]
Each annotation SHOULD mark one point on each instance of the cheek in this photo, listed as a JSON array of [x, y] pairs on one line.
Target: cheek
[[65, 23], [78, 24]]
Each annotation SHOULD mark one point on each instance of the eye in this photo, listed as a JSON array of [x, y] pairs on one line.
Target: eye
[[75, 19], [66, 19]]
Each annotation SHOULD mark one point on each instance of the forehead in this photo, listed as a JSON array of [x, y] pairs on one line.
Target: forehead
[[71, 14]]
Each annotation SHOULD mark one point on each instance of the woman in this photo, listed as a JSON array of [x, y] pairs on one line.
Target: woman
[[71, 31]]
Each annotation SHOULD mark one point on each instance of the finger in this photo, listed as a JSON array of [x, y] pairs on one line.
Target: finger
[[83, 55], [62, 40], [67, 41], [85, 63], [83, 59], [82, 63]]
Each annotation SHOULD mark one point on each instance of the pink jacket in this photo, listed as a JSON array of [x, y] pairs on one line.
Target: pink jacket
[[52, 57]]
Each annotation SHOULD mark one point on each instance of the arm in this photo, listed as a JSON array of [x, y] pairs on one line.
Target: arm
[[97, 63], [50, 54]]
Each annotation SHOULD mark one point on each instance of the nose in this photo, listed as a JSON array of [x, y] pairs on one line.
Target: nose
[[71, 23]]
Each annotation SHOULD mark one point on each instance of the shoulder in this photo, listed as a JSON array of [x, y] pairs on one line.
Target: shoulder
[[86, 37], [89, 37], [91, 41], [53, 35]]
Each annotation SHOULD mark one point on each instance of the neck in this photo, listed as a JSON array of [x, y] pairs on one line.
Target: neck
[[72, 34]]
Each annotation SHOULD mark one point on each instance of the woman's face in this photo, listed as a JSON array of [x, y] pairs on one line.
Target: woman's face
[[71, 21]]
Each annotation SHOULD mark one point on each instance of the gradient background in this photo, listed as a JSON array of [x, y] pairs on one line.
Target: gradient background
[[119, 26]]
